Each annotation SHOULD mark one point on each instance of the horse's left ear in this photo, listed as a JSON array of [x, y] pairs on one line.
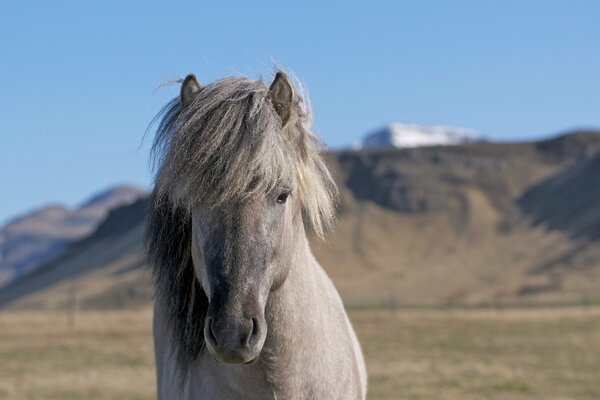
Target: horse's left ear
[[281, 93], [189, 88]]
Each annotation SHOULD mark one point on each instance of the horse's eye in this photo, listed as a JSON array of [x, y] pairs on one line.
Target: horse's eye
[[282, 198]]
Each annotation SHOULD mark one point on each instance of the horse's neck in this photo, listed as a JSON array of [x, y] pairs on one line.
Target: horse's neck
[[301, 289]]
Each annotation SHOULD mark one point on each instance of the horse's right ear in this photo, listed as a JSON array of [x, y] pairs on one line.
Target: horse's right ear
[[189, 89], [281, 93]]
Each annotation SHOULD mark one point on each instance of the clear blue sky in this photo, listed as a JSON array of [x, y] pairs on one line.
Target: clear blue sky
[[77, 80]]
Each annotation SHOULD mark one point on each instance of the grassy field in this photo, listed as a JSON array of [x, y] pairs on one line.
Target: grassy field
[[411, 354]]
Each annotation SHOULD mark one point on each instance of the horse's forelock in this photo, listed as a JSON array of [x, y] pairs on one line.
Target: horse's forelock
[[228, 144]]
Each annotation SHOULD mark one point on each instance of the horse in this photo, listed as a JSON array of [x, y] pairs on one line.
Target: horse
[[242, 309]]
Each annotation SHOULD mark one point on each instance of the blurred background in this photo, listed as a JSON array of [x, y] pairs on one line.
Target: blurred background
[[464, 137]]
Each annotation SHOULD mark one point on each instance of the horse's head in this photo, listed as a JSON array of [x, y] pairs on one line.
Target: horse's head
[[239, 161], [241, 252]]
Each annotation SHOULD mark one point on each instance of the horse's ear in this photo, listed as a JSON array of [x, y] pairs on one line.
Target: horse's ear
[[189, 89], [281, 93]]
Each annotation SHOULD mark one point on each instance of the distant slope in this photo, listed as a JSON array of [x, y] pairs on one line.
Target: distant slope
[[37, 237], [114, 197], [569, 201], [114, 247], [465, 224]]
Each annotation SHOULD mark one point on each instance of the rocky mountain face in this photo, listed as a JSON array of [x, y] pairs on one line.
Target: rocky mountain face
[[476, 223], [37, 237], [568, 201]]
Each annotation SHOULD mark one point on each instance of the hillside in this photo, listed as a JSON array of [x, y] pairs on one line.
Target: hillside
[[477, 223], [35, 238]]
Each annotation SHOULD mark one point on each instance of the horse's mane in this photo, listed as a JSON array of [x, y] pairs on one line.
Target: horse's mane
[[226, 144]]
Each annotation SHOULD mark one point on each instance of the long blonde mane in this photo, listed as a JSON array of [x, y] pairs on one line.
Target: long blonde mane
[[228, 144]]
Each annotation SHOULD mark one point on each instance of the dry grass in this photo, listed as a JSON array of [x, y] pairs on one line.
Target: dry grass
[[510, 354], [411, 354], [104, 356]]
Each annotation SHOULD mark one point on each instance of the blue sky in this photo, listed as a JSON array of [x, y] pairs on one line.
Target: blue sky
[[78, 80]]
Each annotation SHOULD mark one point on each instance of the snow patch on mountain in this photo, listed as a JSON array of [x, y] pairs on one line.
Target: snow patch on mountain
[[411, 135]]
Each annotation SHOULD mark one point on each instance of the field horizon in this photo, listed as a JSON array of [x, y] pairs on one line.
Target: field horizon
[[508, 353]]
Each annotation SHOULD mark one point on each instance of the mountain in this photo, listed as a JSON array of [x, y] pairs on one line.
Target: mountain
[[410, 135], [568, 201], [475, 223], [114, 197], [42, 234]]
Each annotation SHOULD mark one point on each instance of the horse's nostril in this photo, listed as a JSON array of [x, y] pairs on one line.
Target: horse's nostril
[[245, 339], [253, 331], [211, 332], [254, 327]]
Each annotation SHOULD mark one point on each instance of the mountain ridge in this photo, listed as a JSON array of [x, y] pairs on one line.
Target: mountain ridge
[[31, 239], [421, 226]]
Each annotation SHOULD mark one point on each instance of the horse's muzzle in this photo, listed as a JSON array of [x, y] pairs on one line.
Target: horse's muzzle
[[234, 340]]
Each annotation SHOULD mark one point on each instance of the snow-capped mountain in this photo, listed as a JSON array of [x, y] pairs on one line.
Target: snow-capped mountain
[[411, 135]]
